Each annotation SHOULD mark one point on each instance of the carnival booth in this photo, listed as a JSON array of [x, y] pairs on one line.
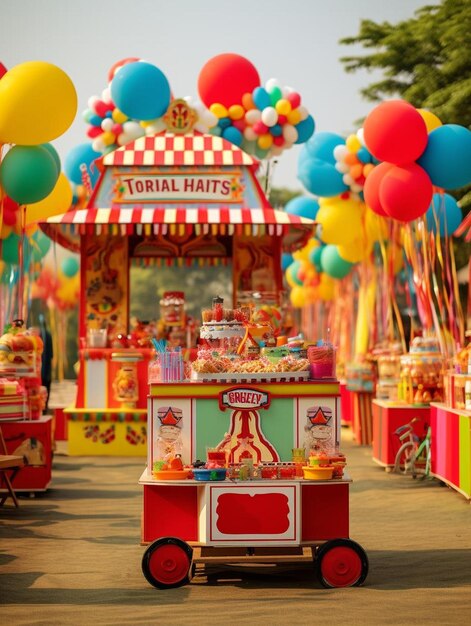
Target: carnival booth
[[174, 198]]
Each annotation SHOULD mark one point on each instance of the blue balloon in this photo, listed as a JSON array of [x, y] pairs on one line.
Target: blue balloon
[[276, 130], [83, 154], [321, 146], [305, 129], [333, 264], [364, 155], [141, 91], [95, 120], [303, 207], [232, 134], [286, 260], [445, 210], [224, 122], [447, 157], [261, 98], [321, 178]]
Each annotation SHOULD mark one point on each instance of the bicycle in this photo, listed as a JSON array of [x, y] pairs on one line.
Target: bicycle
[[414, 455]]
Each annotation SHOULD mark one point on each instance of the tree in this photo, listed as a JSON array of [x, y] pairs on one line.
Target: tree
[[426, 60]]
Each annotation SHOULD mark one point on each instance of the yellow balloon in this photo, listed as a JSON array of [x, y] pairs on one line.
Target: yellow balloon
[[236, 112], [353, 143], [108, 138], [38, 103], [375, 225], [5, 231], [119, 117], [355, 252], [294, 117], [326, 288], [340, 220], [58, 201], [298, 297], [430, 119], [283, 107], [265, 141], [289, 278], [219, 110]]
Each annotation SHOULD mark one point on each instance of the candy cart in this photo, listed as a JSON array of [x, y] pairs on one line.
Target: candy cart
[[268, 483]]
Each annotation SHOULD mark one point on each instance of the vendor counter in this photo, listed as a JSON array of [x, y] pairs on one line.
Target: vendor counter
[[31, 439], [387, 418], [264, 421], [451, 447]]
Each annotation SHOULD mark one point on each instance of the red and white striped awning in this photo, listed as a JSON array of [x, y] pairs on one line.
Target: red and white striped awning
[[167, 149], [159, 221]]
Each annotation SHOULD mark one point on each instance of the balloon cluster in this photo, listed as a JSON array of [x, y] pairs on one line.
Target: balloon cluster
[[354, 161], [263, 121], [417, 153], [317, 165], [133, 105], [59, 289], [38, 103]]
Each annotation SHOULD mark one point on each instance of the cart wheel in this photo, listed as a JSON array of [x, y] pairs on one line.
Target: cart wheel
[[341, 563], [166, 563]]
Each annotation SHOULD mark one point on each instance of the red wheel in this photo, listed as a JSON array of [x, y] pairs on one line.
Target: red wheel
[[166, 563], [341, 563]]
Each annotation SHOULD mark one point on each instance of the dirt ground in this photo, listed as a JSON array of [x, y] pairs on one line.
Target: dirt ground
[[71, 556]]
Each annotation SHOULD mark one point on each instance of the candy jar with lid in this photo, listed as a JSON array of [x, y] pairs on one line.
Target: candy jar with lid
[[218, 308]]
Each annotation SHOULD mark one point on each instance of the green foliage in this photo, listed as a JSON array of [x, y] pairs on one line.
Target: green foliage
[[279, 197], [426, 60]]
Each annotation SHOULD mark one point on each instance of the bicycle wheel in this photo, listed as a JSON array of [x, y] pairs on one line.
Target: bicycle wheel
[[404, 458]]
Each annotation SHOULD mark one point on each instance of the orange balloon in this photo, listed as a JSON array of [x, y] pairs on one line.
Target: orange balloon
[[367, 169], [247, 102], [351, 159], [356, 171]]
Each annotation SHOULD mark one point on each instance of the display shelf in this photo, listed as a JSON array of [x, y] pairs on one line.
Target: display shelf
[[257, 377]]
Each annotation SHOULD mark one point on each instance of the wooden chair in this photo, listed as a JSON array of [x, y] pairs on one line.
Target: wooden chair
[[10, 465]]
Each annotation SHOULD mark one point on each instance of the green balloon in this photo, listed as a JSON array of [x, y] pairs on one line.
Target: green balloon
[[28, 174], [275, 95], [333, 264], [40, 245], [53, 152], [10, 247], [70, 266]]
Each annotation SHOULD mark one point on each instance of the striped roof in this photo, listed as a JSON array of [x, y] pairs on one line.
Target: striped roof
[[167, 149], [147, 221]]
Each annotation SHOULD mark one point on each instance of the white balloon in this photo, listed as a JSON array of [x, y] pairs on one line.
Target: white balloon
[[286, 91], [276, 150], [133, 130], [252, 116], [340, 152], [290, 133], [92, 100], [361, 136], [98, 144], [107, 124], [271, 83], [269, 116], [356, 188], [201, 127], [303, 112], [208, 118], [341, 167], [106, 95], [347, 179], [250, 134]]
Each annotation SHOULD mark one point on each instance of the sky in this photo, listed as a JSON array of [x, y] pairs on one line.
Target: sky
[[295, 41]]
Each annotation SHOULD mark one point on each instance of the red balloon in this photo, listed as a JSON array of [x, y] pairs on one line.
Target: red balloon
[[395, 131], [226, 78], [94, 131], [118, 64], [294, 99], [3, 69], [405, 192], [9, 217], [372, 185]]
